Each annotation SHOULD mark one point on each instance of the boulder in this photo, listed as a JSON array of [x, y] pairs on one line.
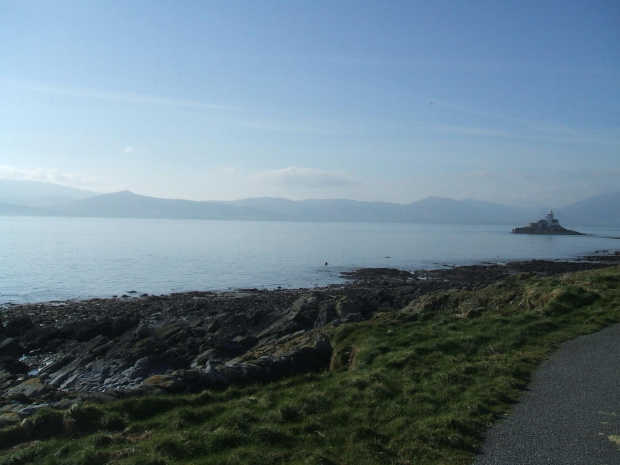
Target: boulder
[[207, 356], [31, 388], [172, 332], [346, 307], [139, 370], [301, 315], [7, 419], [166, 382], [327, 314], [52, 365]]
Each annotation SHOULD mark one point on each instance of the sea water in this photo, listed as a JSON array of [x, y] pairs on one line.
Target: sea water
[[46, 259]]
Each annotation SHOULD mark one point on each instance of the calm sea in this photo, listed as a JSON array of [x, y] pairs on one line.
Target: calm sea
[[45, 259]]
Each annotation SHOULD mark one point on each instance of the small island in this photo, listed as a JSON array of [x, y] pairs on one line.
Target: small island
[[547, 225]]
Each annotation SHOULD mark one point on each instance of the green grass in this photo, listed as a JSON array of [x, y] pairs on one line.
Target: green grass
[[416, 386]]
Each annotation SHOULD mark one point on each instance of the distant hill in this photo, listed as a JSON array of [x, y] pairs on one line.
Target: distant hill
[[600, 211], [38, 193], [503, 213], [436, 210], [126, 204], [45, 199]]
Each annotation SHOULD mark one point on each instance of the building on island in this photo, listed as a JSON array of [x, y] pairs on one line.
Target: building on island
[[547, 222], [547, 225]]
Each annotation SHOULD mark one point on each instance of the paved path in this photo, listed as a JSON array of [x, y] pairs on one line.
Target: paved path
[[571, 413]]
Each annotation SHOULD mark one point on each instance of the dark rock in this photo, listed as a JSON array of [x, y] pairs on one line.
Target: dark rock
[[53, 366], [85, 330], [326, 315], [17, 326], [31, 388], [172, 332], [37, 337], [346, 307], [207, 356], [13, 366], [11, 347]]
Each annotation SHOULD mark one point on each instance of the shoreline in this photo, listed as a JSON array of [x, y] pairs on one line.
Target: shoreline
[[56, 354], [343, 275], [443, 277]]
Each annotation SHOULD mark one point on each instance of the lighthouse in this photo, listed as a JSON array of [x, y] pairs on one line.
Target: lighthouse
[[550, 220]]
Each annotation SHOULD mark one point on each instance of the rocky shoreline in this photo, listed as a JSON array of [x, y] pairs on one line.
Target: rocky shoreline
[[57, 354], [556, 231]]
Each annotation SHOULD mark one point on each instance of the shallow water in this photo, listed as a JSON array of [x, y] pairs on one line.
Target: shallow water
[[45, 259]]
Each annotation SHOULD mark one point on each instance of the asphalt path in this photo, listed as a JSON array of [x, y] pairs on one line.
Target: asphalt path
[[570, 413]]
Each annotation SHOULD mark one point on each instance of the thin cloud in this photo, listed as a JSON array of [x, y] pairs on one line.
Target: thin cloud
[[47, 175], [546, 130], [128, 150], [326, 128], [307, 177], [228, 170], [458, 65], [118, 97], [471, 131]]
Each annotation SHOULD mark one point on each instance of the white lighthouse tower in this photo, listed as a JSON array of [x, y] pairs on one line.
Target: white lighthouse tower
[[551, 221]]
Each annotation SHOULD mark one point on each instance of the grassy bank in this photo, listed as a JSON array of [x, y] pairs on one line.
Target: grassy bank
[[417, 386]]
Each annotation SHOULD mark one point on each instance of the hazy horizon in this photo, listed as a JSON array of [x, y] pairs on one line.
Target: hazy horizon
[[507, 102], [34, 193]]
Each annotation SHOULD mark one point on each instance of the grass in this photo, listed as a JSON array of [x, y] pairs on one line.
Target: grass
[[416, 386]]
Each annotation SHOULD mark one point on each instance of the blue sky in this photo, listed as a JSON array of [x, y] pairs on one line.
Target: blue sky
[[512, 101]]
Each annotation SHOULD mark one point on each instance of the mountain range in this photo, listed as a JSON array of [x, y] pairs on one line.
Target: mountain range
[[30, 198]]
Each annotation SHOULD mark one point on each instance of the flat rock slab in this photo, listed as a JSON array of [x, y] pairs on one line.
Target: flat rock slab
[[32, 387], [570, 415]]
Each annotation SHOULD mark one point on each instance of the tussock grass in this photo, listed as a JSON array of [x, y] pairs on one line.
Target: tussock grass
[[416, 386]]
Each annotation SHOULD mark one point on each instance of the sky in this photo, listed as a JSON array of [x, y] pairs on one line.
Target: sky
[[515, 102]]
